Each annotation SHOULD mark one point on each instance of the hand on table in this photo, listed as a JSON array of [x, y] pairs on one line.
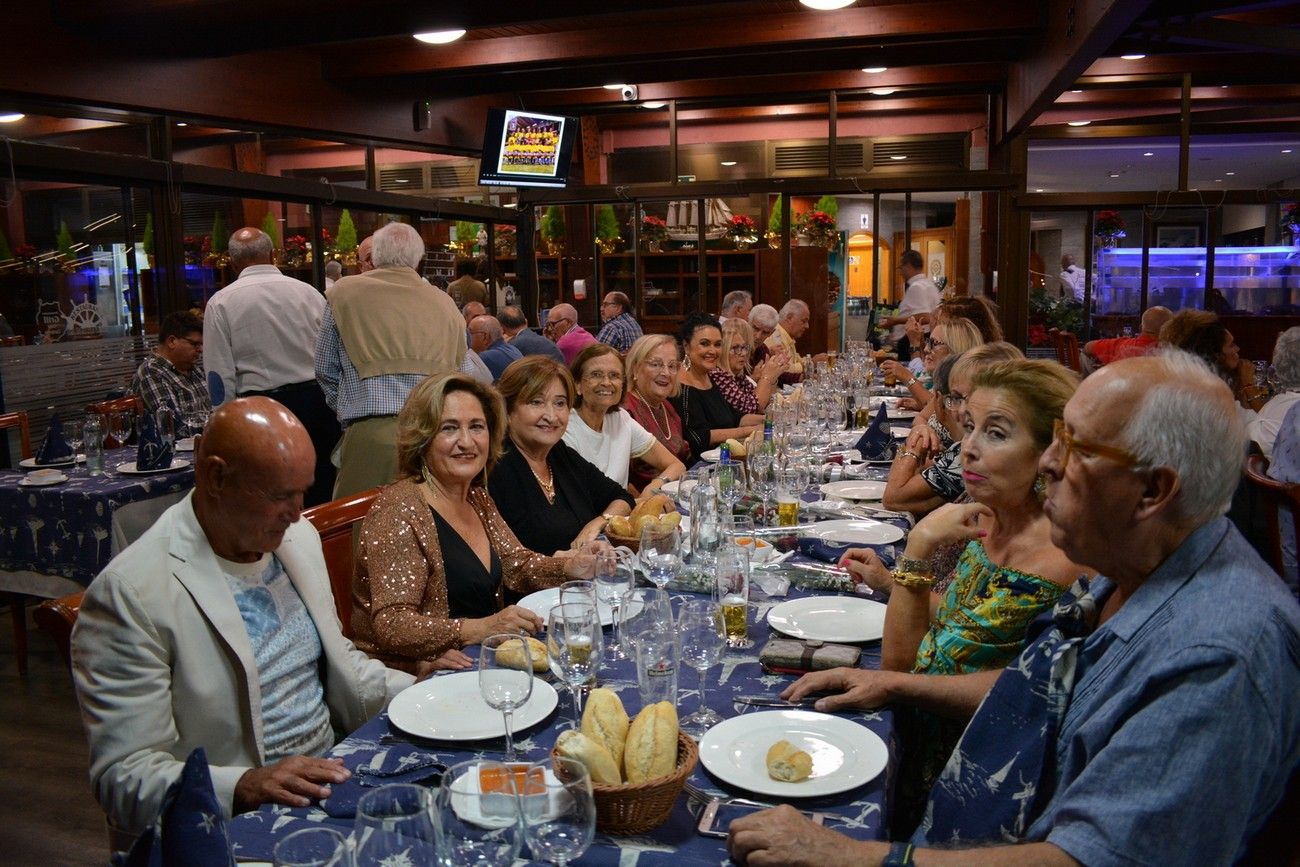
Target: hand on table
[[865, 568], [785, 836], [294, 781], [512, 619], [923, 441], [860, 688], [952, 522], [450, 660], [909, 403]]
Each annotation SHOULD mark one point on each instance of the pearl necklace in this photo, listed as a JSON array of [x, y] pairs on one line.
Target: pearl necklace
[[548, 488], [663, 428]]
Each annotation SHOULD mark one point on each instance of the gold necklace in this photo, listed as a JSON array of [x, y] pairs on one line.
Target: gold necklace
[[663, 428], [548, 488]]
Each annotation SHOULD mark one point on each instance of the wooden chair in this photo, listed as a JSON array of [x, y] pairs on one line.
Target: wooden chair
[[128, 403], [1069, 351], [56, 617], [19, 420], [15, 340], [335, 522], [1275, 494]]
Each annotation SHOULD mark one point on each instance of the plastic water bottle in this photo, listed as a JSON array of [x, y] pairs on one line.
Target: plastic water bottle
[[93, 433]]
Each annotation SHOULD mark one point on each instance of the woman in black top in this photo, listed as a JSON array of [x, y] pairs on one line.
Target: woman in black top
[[707, 418], [552, 498]]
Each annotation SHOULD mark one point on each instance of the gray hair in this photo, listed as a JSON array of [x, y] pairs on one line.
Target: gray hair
[[512, 317], [764, 316], [490, 325], [1177, 425], [734, 300], [397, 245], [793, 307], [1286, 358], [255, 249], [334, 269]]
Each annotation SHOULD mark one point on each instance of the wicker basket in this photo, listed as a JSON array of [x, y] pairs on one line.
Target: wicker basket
[[634, 808], [632, 543]]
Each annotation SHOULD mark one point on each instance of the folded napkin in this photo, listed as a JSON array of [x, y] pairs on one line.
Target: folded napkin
[[54, 448], [398, 764], [154, 452], [877, 443], [191, 832]]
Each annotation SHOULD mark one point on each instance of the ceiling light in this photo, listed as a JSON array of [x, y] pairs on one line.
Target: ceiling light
[[1218, 180], [1079, 123], [1131, 56], [1114, 174], [883, 91], [1149, 154], [728, 162], [826, 5], [899, 157], [16, 116], [402, 180], [872, 70], [1286, 150], [181, 123], [653, 104], [618, 86], [1076, 91], [1229, 174], [1039, 190], [440, 37]]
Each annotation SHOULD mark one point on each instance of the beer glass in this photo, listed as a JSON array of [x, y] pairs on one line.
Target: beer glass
[[731, 591]]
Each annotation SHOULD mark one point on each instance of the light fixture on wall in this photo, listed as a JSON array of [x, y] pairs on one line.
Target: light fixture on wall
[[899, 157], [873, 70], [618, 86], [12, 117], [826, 5], [653, 104], [884, 91], [439, 37], [1078, 123], [728, 162]]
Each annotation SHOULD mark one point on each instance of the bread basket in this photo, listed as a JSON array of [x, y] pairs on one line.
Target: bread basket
[[632, 543], [634, 808]]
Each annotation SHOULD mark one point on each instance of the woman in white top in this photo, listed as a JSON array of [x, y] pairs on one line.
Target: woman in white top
[[1286, 367], [606, 434]]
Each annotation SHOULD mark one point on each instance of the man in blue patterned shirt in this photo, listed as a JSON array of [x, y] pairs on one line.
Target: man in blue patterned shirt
[[621, 329], [1154, 720]]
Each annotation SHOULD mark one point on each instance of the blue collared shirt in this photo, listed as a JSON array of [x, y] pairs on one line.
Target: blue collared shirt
[[498, 357], [620, 332]]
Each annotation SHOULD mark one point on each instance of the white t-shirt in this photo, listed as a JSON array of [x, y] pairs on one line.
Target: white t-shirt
[[612, 449], [921, 296]]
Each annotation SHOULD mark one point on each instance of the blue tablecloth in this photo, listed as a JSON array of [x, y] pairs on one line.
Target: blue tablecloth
[[67, 529]]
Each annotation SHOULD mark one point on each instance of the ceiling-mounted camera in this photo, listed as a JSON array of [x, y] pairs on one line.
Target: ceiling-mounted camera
[[629, 92]]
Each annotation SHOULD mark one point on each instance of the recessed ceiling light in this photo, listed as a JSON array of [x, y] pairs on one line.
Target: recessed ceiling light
[[1114, 174], [181, 123], [16, 116], [1039, 190], [1229, 174], [883, 91], [1076, 91], [899, 157], [439, 37], [1218, 180], [728, 162], [826, 5], [1286, 150], [872, 70], [402, 180], [1131, 56], [1149, 154], [653, 104], [1079, 122], [619, 86]]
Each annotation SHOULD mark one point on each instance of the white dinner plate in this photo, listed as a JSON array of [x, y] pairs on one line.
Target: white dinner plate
[[855, 532], [845, 754], [541, 603], [130, 470], [829, 618], [900, 432], [44, 482], [711, 455], [899, 414], [30, 463], [684, 485], [451, 708], [185, 445], [858, 489]]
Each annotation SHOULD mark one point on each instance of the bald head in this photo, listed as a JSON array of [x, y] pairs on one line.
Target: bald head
[[249, 246], [366, 254], [488, 325], [472, 310], [1155, 318], [562, 317]]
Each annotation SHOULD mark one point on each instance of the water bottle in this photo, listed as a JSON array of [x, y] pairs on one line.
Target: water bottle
[[93, 433], [705, 534]]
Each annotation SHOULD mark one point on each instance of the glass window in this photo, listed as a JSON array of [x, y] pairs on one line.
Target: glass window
[[98, 130], [1102, 165]]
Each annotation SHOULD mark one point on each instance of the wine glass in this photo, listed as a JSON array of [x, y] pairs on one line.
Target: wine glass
[[578, 591], [573, 641], [477, 816], [505, 687], [700, 626], [730, 478], [761, 466], [121, 426], [394, 822], [661, 553], [194, 422], [72, 432], [614, 578], [645, 610], [312, 847], [558, 809], [731, 592]]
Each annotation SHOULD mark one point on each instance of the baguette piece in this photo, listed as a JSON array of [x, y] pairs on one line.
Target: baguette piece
[[788, 763], [651, 748], [511, 654], [600, 764], [605, 721]]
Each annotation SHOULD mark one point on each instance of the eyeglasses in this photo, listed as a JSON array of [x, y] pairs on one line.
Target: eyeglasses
[[659, 366], [931, 343], [954, 400], [740, 349], [602, 376], [1070, 444], [197, 344], [610, 304]]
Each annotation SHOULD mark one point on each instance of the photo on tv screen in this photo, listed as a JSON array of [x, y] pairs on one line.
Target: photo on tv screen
[[522, 148]]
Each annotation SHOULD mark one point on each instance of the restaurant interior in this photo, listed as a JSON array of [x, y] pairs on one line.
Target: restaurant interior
[[1155, 142]]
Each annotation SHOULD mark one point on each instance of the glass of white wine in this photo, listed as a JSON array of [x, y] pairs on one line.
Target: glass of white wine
[[731, 593], [573, 642]]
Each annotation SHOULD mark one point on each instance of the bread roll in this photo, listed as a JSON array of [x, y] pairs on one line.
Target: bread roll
[[651, 748], [653, 507], [737, 448], [788, 763], [600, 764], [605, 721], [511, 654]]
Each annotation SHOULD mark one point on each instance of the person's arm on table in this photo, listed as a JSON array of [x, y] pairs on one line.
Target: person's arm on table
[[603, 490], [647, 448], [954, 696], [905, 489]]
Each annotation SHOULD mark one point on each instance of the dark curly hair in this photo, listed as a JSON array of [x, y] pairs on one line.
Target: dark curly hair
[[1199, 332], [694, 323]]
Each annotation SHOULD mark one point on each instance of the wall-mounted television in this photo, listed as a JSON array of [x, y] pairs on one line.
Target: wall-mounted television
[[526, 149]]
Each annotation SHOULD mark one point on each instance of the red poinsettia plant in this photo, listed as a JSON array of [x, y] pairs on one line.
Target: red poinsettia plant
[[741, 226], [296, 244], [1038, 335], [817, 223], [25, 251], [1109, 224], [653, 228]]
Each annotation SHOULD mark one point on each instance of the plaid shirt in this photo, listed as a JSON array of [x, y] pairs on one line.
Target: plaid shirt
[[620, 332], [158, 384]]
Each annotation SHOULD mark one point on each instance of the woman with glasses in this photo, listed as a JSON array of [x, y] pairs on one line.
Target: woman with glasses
[[650, 371], [707, 418], [947, 338], [732, 375], [606, 434]]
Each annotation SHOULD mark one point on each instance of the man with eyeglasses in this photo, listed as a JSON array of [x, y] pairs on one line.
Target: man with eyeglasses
[[1153, 718], [486, 339], [570, 337], [172, 377], [621, 329], [514, 326]]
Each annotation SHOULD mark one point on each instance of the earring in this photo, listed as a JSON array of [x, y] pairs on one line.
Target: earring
[[686, 362], [1040, 486]]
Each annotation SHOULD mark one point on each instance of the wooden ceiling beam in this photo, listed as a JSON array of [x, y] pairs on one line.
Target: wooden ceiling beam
[[878, 107], [1204, 67]]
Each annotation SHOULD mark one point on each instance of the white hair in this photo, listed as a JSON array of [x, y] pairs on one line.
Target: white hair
[[764, 316], [334, 269], [793, 307], [734, 300], [397, 245], [1286, 358], [1177, 425]]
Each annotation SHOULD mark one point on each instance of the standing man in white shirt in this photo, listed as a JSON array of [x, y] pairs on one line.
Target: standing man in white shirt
[[259, 336], [921, 297], [1073, 278]]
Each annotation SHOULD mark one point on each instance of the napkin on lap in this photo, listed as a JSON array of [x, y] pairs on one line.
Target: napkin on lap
[[154, 452], [876, 443], [54, 448]]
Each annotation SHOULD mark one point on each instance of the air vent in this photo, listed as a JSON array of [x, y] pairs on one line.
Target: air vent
[[810, 158], [932, 152], [453, 176], [409, 179]]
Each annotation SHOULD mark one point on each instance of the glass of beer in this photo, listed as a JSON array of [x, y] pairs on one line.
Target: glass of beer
[[788, 491], [731, 591]]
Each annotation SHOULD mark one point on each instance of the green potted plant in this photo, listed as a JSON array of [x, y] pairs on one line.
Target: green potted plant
[[552, 230], [345, 240], [146, 241], [63, 243], [775, 222], [220, 241], [607, 236], [271, 226]]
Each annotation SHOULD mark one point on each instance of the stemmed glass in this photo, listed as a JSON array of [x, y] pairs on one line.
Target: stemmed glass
[[477, 817], [120, 427], [614, 578], [730, 477], [661, 553], [700, 626], [395, 822], [558, 809], [505, 687], [312, 847], [644, 611], [194, 422], [72, 432], [761, 466], [573, 641]]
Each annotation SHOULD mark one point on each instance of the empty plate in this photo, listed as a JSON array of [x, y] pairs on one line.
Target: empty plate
[[829, 618], [130, 470], [855, 490], [855, 532], [450, 707]]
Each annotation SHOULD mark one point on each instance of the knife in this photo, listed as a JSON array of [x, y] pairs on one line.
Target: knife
[[769, 701]]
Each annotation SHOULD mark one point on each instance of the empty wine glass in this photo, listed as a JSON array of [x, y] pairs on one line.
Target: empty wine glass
[[72, 432], [477, 811], [614, 578], [578, 591], [558, 810], [505, 687], [194, 422], [645, 610], [661, 553], [573, 641], [395, 822], [121, 426], [702, 642], [312, 847], [730, 479], [761, 466]]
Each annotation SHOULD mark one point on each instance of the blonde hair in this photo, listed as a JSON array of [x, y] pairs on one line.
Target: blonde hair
[[1040, 389], [528, 377], [961, 335], [421, 416], [982, 356], [640, 351], [977, 309], [731, 329]]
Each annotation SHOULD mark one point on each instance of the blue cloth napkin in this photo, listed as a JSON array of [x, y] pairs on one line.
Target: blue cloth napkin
[[398, 764], [216, 388], [831, 553], [154, 452], [191, 830], [54, 448], [877, 444]]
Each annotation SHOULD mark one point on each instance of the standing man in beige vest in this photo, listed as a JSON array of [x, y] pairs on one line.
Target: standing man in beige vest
[[383, 332]]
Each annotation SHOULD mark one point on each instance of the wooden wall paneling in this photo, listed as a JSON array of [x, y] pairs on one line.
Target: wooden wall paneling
[[959, 279]]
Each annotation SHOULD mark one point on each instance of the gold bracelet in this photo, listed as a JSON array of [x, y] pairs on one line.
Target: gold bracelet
[[910, 454], [912, 579]]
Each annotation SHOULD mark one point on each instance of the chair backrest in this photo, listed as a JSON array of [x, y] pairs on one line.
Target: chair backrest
[[129, 403], [15, 340], [57, 617], [1070, 351], [19, 420], [335, 521], [1275, 495]]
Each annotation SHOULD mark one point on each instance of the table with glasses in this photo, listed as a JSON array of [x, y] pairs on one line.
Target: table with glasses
[[57, 538]]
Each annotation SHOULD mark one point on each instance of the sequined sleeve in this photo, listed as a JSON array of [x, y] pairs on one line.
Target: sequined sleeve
[[522, 570]]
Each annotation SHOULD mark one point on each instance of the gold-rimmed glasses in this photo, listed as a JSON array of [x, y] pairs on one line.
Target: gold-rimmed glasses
[[1071, 444]]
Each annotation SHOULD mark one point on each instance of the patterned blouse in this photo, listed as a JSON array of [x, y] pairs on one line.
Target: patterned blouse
[[944, 475], [666, 425], [738, 390]]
